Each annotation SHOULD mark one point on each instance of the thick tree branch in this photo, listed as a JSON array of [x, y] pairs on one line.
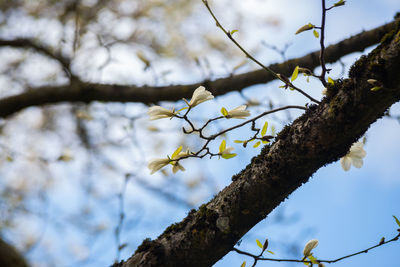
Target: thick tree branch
[[320, 136], [9, 257], [87, 92]]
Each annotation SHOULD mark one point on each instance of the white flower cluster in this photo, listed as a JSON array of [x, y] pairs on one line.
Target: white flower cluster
[[355, 156], [159, 163], [199, 96], [309, 246]]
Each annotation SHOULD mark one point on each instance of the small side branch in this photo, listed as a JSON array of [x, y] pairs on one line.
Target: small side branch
[[40, 48], [322, 40], [87, 92], [260, 258], [274, 74]]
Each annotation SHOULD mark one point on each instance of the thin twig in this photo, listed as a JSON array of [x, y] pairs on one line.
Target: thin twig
[[227, 33], [40, 48], [322, 51], [121, 218], [256, 118], [204, 150], [258, 257], [363, 251]]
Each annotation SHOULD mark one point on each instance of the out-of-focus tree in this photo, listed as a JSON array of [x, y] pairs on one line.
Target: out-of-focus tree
[[77, 78]]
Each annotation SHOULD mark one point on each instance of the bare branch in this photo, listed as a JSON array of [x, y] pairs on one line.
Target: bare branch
[[260, 258], [40, 48], [320, 136], [268, 69], [88, 92]]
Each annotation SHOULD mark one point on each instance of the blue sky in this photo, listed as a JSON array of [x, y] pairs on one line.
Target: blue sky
[[345, 211]]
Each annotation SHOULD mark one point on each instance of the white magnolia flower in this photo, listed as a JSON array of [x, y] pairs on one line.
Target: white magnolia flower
[[355, 156], [183, 154], [178, 154], [310, 246], [156, 164], [199, 96], [227, 150], [239, 112], [253, 102], [176, 167], [157, 112]]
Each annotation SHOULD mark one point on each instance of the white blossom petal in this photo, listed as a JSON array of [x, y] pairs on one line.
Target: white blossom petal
[[156, 164], [357, 150], [226, 153], [176, 167], [358, 163], [309, 246], [183, 154], [157, 112], [253, 102], [346, 163], [227, 150], [239, 112], [199, 96]]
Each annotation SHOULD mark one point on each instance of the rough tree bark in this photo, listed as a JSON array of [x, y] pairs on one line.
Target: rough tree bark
[[320, 136], [10, 257]]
